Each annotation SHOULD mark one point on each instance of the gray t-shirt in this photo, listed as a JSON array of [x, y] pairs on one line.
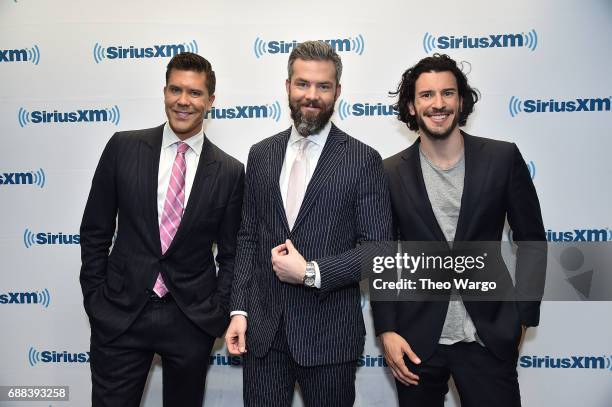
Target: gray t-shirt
[[445, 188]]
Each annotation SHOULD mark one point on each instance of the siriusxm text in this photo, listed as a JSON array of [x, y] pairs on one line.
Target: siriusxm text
[[573, 105], [580, 235], [77, 116], [19, 298], [155, 51], [489, 41], [571, 362], [285, 47], [16, 178], [56, 238], [238, 112]]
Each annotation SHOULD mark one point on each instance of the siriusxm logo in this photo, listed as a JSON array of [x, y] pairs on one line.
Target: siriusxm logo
[[219, 359], [111, 114], [354, 44], [371, 361], [579, 235], [33, 297], [37, 178], [131, 52], [272, 111], [51, 356], [44, 238], [532, 169], [603, 362], [21, 55], [516, 106], [364, 109], [527, 40]]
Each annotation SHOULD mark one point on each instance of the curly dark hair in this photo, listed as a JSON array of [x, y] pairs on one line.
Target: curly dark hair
[[435, 63]]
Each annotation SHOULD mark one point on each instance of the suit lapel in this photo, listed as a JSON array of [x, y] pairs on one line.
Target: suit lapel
[[147, 178], [277, 157], [199, 197], [331, 157], [476, 169], [412, 178]]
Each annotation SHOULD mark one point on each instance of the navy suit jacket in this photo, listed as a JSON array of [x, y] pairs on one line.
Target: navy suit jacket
[[497, 183], [116, 286], [346, 203]]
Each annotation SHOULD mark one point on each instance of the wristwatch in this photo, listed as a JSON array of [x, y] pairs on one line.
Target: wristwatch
[[309, 277]]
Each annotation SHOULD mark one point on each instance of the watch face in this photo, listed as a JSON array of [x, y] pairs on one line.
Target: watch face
[[309, 281]]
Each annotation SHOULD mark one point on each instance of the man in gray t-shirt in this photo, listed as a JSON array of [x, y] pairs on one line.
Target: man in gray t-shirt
[[450, 186]]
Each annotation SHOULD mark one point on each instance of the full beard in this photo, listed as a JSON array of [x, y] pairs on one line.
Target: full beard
[[436, 135], [309, 124]]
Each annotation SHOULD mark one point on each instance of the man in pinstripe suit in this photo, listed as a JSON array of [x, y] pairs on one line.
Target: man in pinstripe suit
[[312, 195]]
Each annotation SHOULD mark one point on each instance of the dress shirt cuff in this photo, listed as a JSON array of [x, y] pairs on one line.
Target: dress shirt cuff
[[317, 275], [243, 313]]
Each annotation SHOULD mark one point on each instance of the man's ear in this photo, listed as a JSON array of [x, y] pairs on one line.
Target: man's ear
[[411, 109]]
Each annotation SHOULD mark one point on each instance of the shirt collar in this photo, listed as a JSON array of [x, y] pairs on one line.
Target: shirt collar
[[194, 142], [319, 138]]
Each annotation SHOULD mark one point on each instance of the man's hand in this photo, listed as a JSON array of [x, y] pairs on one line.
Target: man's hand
[[235, 337], [395, 347], [288, 263]]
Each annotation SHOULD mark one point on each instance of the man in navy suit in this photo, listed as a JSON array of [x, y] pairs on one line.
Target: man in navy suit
[[313, 197], [450, 186], [171, 194]]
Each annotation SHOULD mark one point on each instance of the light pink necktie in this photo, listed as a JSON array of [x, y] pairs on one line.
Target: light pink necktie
[[173, 209], [297, 182]]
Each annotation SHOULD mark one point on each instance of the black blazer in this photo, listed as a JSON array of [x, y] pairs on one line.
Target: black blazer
[[497, 183], [346, 202], [124, 187]]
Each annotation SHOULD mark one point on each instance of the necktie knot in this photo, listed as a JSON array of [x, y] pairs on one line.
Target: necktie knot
[[302, 145], [182, 147]]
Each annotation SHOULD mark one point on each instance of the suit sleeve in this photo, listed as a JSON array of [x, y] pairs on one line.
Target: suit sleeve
[[373, 225], [525, 219], [226, 240], [246, 244], [99, 221]]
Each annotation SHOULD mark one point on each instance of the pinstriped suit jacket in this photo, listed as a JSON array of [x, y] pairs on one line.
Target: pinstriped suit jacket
[[346, 202]]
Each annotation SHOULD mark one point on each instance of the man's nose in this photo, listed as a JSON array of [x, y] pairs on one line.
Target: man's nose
[[438, 101], [183, 99], [311, 93]]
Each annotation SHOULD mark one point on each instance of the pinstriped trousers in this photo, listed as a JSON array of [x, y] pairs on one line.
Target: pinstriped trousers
[[270, 381]]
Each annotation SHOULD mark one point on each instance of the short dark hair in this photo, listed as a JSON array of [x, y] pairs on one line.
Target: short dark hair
[[315, 51], [188, 61], [435, 63]]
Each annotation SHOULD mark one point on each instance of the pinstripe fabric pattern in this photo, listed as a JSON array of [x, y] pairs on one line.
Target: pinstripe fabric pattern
[[346, 202], [270, 382]]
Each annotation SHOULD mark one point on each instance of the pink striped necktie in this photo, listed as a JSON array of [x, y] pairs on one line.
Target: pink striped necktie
[[297, 183], [173, 209]]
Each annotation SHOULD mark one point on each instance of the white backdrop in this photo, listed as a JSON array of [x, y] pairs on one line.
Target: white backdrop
[[59, 57]]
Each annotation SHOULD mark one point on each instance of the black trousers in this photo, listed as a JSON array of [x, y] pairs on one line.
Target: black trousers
[[482, 379], [270, 381], [119, 369]]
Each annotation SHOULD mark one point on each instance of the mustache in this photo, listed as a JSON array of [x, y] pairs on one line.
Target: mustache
[[435, 110], [312, 103]]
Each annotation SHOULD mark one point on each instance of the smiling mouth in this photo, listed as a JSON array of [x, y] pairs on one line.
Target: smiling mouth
[[439, 117], [182, 115]]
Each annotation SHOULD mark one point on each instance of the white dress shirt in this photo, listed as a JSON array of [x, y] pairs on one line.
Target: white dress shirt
[[166, 161]]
